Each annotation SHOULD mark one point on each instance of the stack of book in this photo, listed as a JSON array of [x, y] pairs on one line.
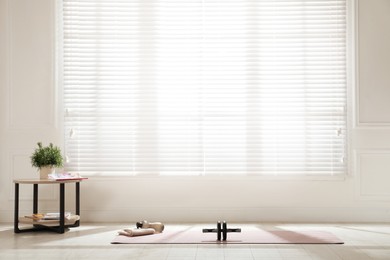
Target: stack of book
[[48, 216], [49, 219], [65, 176]]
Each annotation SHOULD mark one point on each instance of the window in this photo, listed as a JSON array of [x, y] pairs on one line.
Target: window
[[204, 87]]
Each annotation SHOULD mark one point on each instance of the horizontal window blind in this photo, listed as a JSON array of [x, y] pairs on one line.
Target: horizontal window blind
[[212, 87]]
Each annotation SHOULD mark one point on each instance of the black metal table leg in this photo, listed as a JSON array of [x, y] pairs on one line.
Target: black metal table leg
[[77, 203], [62, 208], [35, 199], [16, 212], [77, 198]]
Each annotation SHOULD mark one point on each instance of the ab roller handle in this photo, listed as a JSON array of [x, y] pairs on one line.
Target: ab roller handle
[[222, 230]]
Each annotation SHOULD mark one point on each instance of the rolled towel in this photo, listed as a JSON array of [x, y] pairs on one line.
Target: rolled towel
[[136, 232], [157, 226]]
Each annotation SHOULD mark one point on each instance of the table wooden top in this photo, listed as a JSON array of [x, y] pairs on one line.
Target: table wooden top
[[45, 181]]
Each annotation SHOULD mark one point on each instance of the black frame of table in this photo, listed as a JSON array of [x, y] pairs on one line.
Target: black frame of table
[[38, 227]]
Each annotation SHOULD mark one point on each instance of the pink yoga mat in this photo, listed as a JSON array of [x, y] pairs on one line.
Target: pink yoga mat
[[248, 235]]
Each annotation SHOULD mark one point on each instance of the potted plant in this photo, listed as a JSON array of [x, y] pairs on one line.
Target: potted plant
[[46, 159]]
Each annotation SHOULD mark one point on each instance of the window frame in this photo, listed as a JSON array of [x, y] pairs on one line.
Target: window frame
[[351, 71]]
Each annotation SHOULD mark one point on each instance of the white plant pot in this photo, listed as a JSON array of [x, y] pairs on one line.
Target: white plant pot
[[45, 171]]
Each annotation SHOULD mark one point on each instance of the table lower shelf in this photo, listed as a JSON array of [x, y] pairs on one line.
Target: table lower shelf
[[51, 222], [69, 222]]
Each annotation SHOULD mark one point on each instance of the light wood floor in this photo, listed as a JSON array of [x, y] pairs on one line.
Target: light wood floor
[[92, 241]]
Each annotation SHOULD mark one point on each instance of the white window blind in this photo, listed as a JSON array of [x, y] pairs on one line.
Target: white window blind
[[188, 87]]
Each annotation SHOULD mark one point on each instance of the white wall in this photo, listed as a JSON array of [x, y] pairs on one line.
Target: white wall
[[28, 114]]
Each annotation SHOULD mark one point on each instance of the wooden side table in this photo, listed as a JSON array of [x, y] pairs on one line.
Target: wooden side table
[[54, 225]]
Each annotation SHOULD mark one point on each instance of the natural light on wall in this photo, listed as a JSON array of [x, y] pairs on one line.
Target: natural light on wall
[[212, 87]]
